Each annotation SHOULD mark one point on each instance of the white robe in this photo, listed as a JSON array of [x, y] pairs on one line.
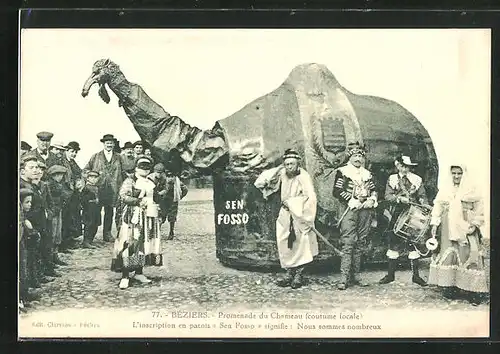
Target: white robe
[[298, 193]]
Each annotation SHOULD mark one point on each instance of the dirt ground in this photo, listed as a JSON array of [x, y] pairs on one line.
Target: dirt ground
[[192, 276]]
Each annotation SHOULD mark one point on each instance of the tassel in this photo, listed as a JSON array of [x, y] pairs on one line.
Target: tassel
[[292, 237]]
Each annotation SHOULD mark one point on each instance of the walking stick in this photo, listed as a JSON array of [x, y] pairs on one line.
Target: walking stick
[[323, 238]]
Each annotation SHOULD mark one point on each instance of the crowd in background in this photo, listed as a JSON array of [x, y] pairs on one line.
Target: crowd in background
[[60, 202]]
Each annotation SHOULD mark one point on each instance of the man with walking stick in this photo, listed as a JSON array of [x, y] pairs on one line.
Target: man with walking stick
[[295, 236], [355, 189]]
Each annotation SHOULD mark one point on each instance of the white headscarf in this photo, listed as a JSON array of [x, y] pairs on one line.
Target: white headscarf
[[450, 198]]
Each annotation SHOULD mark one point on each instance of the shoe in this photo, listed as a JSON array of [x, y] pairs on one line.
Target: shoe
[[59, 261], [298, 280], [87, 245], [142, 278], [389, 278], [286, 280], [358, 282], [47, 279], [51, 273], [170, 237], [32, 297], [416, 277], [342, 285], [124, 283]]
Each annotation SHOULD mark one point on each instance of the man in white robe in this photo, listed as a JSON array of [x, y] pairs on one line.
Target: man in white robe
[[296, 241]]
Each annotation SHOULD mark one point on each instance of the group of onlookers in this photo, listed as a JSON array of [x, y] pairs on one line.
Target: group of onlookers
[[60, 202]]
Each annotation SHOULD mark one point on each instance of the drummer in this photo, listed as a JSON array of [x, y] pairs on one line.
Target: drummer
[[402, 189]]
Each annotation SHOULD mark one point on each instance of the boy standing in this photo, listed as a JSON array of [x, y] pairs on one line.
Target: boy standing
[[91, 211], [59, 196]]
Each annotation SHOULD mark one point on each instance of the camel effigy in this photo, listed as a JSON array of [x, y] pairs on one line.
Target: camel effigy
[[310, 112]]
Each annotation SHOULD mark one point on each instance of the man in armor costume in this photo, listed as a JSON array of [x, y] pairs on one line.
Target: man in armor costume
[[355, 189]]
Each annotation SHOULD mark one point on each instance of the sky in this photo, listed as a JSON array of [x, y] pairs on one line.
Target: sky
[[441, 76]]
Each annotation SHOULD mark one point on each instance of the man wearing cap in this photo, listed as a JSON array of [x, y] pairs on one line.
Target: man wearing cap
[[109, 165], [402, 189], [42, 152], [297, 243], [354, 188], [128, 157], [25, 147], [71, 223]]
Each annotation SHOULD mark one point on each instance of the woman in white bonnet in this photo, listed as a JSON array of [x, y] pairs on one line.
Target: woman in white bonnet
[[459, 216]]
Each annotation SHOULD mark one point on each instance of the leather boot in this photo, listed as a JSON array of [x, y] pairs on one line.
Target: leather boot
[[345, 270], [355, 270], [391, 270], [298, 279], [287, 279], [416, 277]]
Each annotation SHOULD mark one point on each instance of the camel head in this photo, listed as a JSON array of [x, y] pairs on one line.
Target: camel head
[[102, 72]]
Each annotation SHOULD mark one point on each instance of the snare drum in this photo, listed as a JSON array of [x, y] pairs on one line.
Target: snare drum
[[412, 224]]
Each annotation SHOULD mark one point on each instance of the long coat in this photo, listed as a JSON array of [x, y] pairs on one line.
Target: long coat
[[110, 178], [51, 160]]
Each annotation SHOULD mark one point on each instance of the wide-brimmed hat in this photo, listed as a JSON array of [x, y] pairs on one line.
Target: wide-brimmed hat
[[73, 145], [406, 160], [108, 137]]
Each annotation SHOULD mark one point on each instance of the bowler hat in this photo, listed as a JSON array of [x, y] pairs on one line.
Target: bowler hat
[[108, 137], [128, 145], [73, 145], [45, 136], [25, 146], [54, 169]]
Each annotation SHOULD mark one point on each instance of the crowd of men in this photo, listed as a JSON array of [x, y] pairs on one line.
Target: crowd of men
[[60, 202]]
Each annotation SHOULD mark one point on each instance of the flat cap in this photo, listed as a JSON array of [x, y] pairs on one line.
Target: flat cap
[[45, 136], [59, 145], [159, 167], [56, 169], [28, 157]]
